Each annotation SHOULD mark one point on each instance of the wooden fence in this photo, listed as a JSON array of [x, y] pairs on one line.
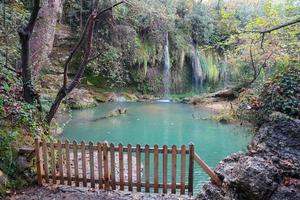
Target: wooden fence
[[109, 167]]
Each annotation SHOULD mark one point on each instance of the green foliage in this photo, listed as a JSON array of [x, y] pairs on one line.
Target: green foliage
[[13, 15], [202, 24], [20, 123], [281, 93], [226, 116], [8, 152]]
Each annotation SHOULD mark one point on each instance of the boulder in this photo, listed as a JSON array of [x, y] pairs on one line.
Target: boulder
[[106, 97], [81, 98], [286, 193]]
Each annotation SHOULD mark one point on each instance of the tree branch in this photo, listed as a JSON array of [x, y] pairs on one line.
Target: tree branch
[[111, 7], [277, 27], [66, 66], [33, 16]]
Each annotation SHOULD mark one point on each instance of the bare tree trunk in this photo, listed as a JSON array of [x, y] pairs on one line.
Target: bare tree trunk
[[46, 22], [25, 35]]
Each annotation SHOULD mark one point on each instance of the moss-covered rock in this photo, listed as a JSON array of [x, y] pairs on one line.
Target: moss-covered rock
[[129, 96], [81, 98], [105, 97]]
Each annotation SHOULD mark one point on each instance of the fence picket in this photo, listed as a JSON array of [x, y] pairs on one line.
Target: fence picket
[[112, 166], [129, 160], [105, 160], [60, 162], [83, 163], [182, 169], [100, 168], [121, 167], [155, 168], [76, 171], [138, 168], [191, 169], [53, 162], [68, 165], [174, 156], [38, 161], [45, 160], [92, 174], [165, 168], [147, 168]]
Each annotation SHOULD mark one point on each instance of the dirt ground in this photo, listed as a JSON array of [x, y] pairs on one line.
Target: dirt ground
[[73, 193]]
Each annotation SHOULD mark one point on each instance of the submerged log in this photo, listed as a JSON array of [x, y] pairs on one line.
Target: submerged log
[[114, 113]]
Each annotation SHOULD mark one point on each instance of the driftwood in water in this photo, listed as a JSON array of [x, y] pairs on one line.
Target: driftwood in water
[[114, 113]]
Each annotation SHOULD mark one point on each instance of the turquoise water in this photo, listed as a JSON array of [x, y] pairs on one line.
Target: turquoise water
[[160, 123]]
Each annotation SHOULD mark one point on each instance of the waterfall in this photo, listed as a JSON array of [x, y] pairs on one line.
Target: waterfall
[[167, 67], [197, 70]]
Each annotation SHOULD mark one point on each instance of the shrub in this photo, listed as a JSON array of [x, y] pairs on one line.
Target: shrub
[[282, 93], [279, 94]]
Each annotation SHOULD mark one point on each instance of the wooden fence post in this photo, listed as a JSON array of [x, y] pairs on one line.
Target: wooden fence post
[[53, 162], [60, 162], [105, 160], [138, 168], [100, 165], [174, 156], [147, 168], [129, 160], [112, 166], [92, 174], [121, 167], [45, 160], [191, 169], [76, 170], [83, 162], [182, 169], [156, 168], [165, 168], [38, 160], [68, 162]]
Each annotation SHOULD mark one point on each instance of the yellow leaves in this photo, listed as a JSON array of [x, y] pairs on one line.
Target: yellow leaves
[[225, 14], [270, 9]]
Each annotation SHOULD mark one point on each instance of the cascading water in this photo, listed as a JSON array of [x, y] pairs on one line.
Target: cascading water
[[167, 67], [197, 70]]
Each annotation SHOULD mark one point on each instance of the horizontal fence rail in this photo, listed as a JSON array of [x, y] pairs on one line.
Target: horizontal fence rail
[[110, 167]]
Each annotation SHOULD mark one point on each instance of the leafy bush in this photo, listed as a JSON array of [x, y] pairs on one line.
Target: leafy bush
[[282, 93]]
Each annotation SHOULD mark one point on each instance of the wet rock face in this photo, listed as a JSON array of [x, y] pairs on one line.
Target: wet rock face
[[269, 170]]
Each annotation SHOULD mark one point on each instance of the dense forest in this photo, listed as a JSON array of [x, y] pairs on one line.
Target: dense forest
[[61, 55]]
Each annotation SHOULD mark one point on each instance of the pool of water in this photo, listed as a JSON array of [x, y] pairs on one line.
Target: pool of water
[[160, 123]]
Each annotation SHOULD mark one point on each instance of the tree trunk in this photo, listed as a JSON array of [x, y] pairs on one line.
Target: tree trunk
[[25, 35], [26, 70], [43, 35]]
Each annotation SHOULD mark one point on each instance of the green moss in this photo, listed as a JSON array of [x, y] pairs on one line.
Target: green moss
[[226, 116]]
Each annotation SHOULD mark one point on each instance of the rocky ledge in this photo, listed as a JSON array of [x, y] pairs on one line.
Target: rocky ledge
[[270, 170]]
